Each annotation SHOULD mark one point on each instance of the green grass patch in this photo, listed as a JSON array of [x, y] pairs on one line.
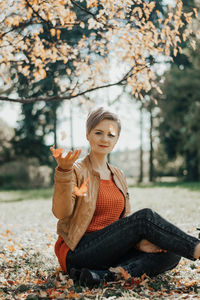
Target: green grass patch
[[29, 194], [192, 186]]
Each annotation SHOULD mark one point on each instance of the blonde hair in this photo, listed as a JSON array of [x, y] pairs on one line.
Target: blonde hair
[[100, 114]]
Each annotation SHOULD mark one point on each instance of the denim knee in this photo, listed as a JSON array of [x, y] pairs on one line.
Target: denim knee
[[145, 213]]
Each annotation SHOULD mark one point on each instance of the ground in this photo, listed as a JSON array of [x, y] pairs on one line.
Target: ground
[[29, 268]]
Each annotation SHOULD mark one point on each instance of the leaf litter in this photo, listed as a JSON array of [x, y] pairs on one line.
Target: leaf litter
[[29, 269]]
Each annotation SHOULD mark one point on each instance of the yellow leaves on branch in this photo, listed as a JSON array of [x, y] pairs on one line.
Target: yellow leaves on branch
[[195, 12], [53, 31], [29, 13], [127, 42], [188, 17], [40, 73], [68, 71], [92, 3]]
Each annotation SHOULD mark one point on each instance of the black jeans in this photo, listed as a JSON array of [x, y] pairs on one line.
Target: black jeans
[[114, 245]]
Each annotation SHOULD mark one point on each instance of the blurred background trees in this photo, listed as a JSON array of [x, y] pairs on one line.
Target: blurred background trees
[[179, 110], [179, 127], [61, 51]]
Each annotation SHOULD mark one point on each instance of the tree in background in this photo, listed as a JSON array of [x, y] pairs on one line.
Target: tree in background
[[180, 115], [180, 111], [6, 134], [39, 120], [124, 32], [179, 127], [57, 50]]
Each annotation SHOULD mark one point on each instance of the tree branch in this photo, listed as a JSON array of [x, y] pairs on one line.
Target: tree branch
[[36, 13], [93, 15], [21, 25], [71, 96]]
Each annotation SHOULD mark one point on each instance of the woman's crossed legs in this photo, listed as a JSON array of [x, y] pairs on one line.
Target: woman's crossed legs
[[115, 245]]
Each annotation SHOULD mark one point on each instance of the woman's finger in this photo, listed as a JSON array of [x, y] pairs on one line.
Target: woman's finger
[[77, 153], [69, 154]]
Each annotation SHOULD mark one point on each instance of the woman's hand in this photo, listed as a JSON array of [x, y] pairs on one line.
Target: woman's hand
[[148, 247], [66, 163]]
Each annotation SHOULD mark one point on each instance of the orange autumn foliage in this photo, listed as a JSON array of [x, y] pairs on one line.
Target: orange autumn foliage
[[82, 190], [11, 248], [118, 35]]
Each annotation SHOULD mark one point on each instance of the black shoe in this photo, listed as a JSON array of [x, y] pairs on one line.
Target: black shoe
[[89, 278], [75, 274]]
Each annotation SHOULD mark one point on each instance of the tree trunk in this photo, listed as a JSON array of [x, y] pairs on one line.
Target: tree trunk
[[71, 127], [192, 166], [151, 167], [55, 127], [140, 179]]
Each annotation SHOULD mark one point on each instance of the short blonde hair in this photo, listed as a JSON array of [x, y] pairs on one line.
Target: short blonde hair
[[100, 114]]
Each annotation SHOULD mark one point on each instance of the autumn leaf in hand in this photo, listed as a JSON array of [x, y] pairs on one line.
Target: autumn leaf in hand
[[57, 152], [82, 191]]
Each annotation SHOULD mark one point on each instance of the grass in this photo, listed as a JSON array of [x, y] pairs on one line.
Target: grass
[[29, 194], [46, 193], [29, 268], [192, 186]]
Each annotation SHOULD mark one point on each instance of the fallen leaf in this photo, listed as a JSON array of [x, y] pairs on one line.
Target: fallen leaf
[[11, 248], [121, 271], [82, 191], [112, 130]]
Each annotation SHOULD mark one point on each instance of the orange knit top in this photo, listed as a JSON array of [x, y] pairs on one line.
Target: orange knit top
[[109, 207]]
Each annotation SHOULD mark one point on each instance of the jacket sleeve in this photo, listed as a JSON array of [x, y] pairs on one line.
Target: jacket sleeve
[[63, 198]]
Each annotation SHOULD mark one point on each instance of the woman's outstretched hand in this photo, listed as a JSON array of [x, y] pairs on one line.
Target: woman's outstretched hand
[[148, 247], [65, 163]]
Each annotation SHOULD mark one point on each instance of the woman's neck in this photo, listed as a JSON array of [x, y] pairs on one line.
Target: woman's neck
[[98, 161]]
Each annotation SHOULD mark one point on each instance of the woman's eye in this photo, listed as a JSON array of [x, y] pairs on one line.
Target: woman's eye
[[111, 135], [98, 132]]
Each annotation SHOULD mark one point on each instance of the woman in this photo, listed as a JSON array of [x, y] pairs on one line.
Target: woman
[[96, 230]]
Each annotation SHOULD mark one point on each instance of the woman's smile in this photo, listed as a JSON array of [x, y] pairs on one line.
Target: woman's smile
[[103, 146]]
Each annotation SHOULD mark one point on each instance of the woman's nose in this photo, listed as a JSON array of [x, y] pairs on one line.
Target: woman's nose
[[104, 138]]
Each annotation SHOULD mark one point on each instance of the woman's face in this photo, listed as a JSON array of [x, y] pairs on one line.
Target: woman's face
[[103, 136]]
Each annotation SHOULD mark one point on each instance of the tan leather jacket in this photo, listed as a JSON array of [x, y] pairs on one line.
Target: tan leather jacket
[[75, 213]]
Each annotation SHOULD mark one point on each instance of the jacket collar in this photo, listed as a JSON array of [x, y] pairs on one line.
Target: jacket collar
[[116, 177], [87, 161]]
